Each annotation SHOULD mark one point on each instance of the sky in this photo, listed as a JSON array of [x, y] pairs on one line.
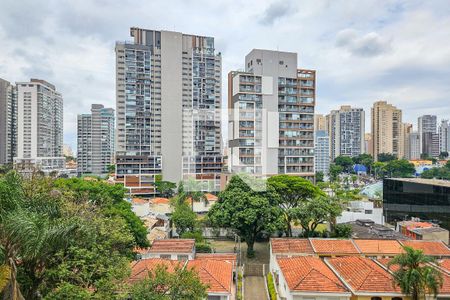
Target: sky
[[363, 51]]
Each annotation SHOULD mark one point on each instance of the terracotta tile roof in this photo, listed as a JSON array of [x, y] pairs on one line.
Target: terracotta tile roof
[[160, 201], [445, 264], [211, 197], [140, 268], [139, 201], [172, 246], [231, 257], [363, 275], [379, 246], [215, 273], [333, 246], [310, 274], [436, 248], [287, 245]]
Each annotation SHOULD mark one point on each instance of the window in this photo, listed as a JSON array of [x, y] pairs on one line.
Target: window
[[165, 256], [182, 257], [375, 298], [281, 62]]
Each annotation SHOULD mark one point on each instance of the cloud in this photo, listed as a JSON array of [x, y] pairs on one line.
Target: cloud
[[277, 10], [370, 44]]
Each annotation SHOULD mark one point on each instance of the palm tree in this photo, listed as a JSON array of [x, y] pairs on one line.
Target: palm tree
[[191, 190], [415, 276]]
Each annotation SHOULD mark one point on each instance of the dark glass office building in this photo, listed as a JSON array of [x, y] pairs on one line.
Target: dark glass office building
[[427, 199]]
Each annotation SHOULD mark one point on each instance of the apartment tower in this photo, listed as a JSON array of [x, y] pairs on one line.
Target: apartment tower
[[39, 127], [322, 152], [168, 100], [444, 136], [346, 128], [8, 122], [427, 127], [271, 119], [387, 134], [95, 140]]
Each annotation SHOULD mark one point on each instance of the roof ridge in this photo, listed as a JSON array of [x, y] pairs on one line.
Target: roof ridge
[[372, 270], [203, 267], [301, 280]]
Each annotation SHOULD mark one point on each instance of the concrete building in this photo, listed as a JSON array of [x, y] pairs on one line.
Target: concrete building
[[414, 146], [346, 128], [322, 152], [386, 129], [39, 127], [427, 126], [95, 140], [271, 124], [168, 96], [407, 128], [368, 143], [320, 122], [444, 136], [8, 122]]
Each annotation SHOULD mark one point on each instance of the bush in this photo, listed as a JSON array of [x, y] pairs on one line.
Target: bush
[[197, 235], [203, 248], [342, 231], [239, 287], [271, 287]]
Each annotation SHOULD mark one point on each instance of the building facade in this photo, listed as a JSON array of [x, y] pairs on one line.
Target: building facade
[[320, 122], [386, 129], [444, 136], [39, 127], [95, 140], [407, 128], [322, 152], [8, 122], [271, 120], [414, 146], [427, 126], [168, 99], [346, 127]]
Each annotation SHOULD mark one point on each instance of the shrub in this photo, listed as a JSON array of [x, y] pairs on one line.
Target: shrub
[[239, 287], [342, 231], [203, 248], [271, 287], [197, 235]]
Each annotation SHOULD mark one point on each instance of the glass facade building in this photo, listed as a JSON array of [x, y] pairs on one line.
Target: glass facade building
[[427, 199]]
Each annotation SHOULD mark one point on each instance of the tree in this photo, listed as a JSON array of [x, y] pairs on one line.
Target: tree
[[342, 231], [385, 157], [191, 190], [316, 211], [319, 176], [345, 162], [399, 168], [414, 275], [443, 155], [182, 283], [365, 160], [378, 168], [334, 172], [437, 173], [292, 191], [246, 211], [184, 218], [111, 168], [165, 188]]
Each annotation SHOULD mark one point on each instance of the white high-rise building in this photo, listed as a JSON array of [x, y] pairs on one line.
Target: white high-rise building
[[168, 101], [271, 121], [39, 127], [414, 146], [322, 152], [95, 140], [444, 136], [427, 126], [346, 129], [8, 122]]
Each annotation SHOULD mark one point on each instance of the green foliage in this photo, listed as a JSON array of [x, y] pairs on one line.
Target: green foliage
[[184, 218], [438, 173], [415, 276], [291, 192], [239, 287], [246, 211], [111, 168], [345, 162], [69, 291], [399, 168], [319, 176], [443, 155], [183, 284], [165, 188], [385, 157], [334, 172], [203, 247], [364, 159], [271, 287], [197, 235], [342, 231]]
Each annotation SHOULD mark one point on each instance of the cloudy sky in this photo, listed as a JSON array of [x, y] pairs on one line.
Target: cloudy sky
[[363, 51]]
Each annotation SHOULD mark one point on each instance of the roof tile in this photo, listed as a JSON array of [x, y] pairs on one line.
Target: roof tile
[[435, 248], [333, 246], [379, 246], [285, 245]]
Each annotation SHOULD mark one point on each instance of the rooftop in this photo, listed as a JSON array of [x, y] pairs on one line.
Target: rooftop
[[173, 246], [286, 245], [363, 275], [141, 268], [231, 257], [215, 273], [333, 246], [375, 231], [437, 182], [435, 248], [310, 274], [378, 246]]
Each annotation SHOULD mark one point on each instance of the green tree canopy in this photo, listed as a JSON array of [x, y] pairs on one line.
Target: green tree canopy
[[385, 157], [334, 172], [292, 191], [414, 275], [399, 168], [345, 162], [246, 211], [184, 218]]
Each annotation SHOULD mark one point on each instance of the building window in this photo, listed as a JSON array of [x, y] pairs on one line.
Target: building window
[[375, 298], [168, 256]]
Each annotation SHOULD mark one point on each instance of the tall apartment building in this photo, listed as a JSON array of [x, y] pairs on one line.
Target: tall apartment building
[[444, 136], [95, 140], [427, 125], [346, 128], [8, 122], [386, 129], [271, 124], [414, 146], [39, 127], [368, 143], [322, 152], [168, 96], [320, 122], [407, 129]]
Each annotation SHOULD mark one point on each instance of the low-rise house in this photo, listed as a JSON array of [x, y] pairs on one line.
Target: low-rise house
[[361, 210], [432, 248], [378, 248], [306, 278], [333, 247], [418, 230], [140, 207], [175, 249]]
